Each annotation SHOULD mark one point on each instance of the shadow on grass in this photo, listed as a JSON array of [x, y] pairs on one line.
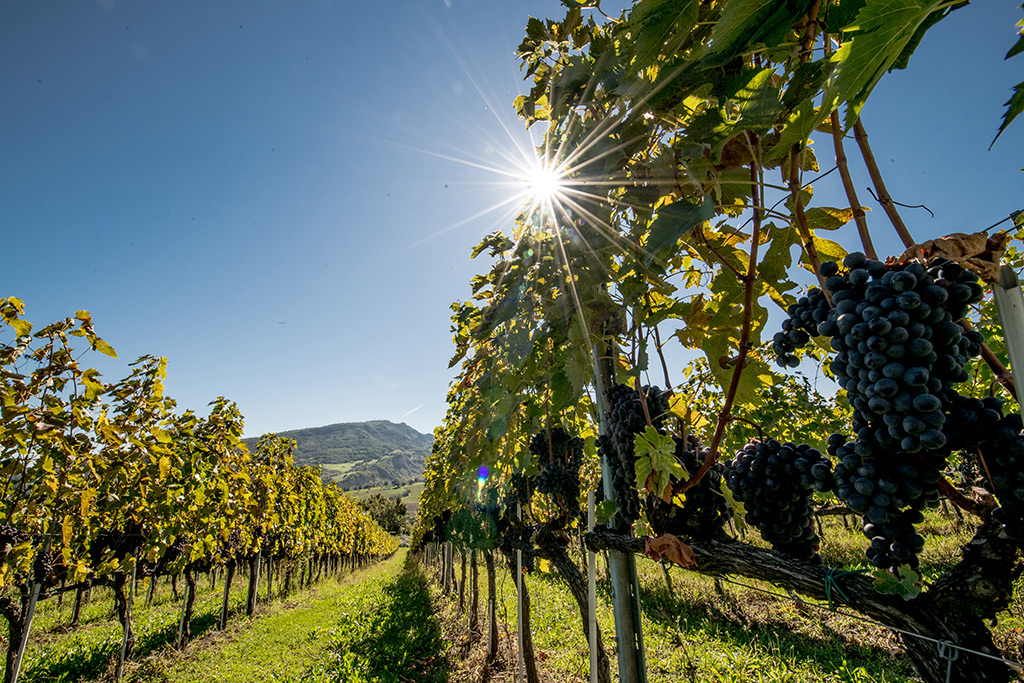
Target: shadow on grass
[[397, 637], [741, 626]]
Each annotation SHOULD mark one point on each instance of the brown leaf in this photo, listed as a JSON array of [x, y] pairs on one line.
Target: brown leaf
[[671, 548], [977, 252]]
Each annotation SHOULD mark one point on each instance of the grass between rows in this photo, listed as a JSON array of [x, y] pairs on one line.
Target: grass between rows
[[283, 641]]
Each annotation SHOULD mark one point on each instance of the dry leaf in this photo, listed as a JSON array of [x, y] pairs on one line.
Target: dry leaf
[[978, 252], [671, 548]]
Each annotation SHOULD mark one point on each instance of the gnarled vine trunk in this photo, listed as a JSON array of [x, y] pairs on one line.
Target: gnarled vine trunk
[[952, 612], [556, 553], [492, 603], [14, 613], [526, 632]]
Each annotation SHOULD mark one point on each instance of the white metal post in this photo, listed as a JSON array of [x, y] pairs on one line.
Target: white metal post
[[1010, 304]]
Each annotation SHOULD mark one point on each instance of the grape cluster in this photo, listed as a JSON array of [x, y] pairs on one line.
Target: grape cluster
[[1002, 453], [517, 536], [520, 490], [898, 346], [774, 481], [559, 460], [626, 420], [182, 546], [889, 491], [43, 566], [705, 509], [8, 535], [802, 324]]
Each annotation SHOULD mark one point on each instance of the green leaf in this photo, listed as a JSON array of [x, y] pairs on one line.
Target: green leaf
[[745, 23], [907, 585], [652, 21], [880, 33], [604, 512], [1014, 106], [829, 250], [22, 328], [103, 347], [655, 454], [827, 218], [562, 394], [673, 221]]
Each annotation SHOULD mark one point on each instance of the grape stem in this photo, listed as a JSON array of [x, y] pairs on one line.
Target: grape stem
[[861, 136], [737, 418], [1001, 372], [810, 30]]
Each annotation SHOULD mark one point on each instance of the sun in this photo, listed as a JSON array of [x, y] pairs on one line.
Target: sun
[[543, 183]]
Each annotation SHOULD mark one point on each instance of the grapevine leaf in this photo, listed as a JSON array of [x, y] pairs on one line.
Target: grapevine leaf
[[656, 462], [739, 513], [103, 347], [827, 250], [605, 511], [907, 585], [879, 35], [669, 547], [1014, 106], [745, 23], [827, 217], [562, 394], [673, 221], [652, 21]]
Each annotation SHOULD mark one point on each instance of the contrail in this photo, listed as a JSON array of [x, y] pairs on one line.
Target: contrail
[[413, 410]]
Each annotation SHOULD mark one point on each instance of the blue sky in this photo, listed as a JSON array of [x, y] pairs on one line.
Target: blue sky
[[262, 192]]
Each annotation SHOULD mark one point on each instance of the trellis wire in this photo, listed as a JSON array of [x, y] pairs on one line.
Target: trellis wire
[[942, 644]]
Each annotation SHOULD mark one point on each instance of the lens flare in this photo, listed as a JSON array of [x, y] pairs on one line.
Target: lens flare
[[481, 479]]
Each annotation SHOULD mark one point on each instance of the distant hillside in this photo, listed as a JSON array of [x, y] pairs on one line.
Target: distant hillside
[[362, 454]]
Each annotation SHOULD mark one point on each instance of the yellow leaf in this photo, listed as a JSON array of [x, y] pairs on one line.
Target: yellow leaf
[[66, 530], [88, 496], [165, 467]]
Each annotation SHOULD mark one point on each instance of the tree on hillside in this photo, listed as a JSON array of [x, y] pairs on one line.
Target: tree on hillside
[[389, 513]]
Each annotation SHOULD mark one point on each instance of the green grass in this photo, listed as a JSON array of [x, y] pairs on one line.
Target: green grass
[[336, 470], [394, 636], [292, 641], [55, 653]]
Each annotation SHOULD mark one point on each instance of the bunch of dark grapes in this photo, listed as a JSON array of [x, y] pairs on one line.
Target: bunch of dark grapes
[[182, 546], [517, 536], [899, 350], [802, 324], [559, 460], [705, 509], [520, 490], [1002, 453], [8, 535], [43, 566], [626, 420], [774, 481], [888, 490]]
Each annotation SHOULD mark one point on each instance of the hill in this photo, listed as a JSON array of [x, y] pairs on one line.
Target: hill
[[362, 454]]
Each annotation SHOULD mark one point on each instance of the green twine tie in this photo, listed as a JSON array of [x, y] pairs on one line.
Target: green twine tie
[[832, 577]]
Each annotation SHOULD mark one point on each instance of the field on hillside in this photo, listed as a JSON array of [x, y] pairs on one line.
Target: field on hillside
[[410, 494]]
